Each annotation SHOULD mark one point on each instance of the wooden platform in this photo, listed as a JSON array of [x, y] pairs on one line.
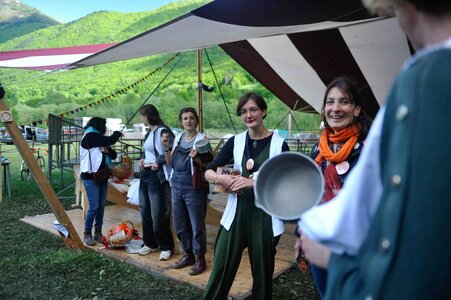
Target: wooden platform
[[242, 285]]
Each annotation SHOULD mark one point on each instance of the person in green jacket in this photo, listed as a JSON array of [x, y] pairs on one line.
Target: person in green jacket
[[405, 251]]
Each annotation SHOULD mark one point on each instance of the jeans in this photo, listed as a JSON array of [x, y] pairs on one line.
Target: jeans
[[154, 206], [189, 210], [96, 193], [320, 278]]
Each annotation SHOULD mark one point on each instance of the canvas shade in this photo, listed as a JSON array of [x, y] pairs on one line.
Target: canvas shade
[[293, 47]]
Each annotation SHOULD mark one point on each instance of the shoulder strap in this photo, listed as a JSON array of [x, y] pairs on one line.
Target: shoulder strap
[[89, 153]]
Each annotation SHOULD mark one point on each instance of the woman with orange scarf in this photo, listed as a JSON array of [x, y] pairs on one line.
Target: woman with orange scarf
[[340, 143]]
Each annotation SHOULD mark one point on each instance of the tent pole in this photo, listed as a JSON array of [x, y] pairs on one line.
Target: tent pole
[[289, 123], [199, 90], [73, 240]]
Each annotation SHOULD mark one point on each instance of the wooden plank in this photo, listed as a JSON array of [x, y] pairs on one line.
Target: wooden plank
[[73, 241], [242, 285]]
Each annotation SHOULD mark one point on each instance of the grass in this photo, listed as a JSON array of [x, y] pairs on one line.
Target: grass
[[35, 264]]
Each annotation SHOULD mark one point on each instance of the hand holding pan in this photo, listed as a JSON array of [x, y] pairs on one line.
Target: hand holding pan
[[287, 185]]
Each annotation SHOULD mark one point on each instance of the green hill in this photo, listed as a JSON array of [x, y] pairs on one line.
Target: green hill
[[31, 95], [17, 19]]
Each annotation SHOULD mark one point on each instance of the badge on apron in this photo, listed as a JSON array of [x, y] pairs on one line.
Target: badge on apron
[[250, 164], [342, 167]]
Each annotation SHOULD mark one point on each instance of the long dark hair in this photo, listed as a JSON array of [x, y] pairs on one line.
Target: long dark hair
[[151, 112], [348, 87], [98, 124]]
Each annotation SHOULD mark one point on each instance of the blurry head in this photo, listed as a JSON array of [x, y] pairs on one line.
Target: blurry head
[[430, 7], [150, 115], [188, 118], [98, 124], [410, 15], [342, 104], [252, 109]]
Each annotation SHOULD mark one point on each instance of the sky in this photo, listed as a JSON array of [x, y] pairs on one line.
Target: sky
[[69, 10]]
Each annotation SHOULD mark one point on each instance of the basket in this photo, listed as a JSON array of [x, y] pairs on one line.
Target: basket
[[119, 234], [124, 170]]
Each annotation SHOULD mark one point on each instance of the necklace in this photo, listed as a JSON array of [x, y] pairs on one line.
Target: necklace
[[255, 142]]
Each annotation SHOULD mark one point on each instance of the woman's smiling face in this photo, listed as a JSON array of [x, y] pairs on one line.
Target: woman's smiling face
[[339, 110]]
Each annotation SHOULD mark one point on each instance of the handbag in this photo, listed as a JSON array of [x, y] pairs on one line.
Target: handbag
[[101, 174]]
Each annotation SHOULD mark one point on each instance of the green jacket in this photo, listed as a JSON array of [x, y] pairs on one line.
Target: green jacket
[[407, 252]]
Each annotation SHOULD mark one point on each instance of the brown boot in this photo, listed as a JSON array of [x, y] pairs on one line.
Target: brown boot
[[187, 259], [199, 267]]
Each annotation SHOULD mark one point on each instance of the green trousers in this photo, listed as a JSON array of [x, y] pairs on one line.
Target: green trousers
[[251, 228]]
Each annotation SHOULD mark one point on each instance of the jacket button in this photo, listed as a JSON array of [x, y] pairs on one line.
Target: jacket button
[[385, 244], [401, 113], [396, 180]]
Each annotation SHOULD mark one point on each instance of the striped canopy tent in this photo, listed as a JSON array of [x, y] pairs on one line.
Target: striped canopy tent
[[293, 47]]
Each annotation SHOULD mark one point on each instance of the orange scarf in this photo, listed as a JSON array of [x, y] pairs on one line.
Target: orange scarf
[[349, 134]]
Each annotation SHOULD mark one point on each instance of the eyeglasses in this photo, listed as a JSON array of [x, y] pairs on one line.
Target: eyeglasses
[[252, 111]]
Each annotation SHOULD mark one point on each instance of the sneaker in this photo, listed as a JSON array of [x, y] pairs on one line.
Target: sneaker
[[165, 254], [146, 250], [87, 237]]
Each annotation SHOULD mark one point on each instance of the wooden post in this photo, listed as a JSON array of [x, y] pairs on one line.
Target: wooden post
[[73, 241], [199, 90]]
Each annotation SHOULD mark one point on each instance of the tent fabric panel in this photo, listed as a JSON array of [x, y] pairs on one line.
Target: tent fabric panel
[[327, 52], [244, 54], [259, 13], [43, 62], [284, 58], [190, 33], [49, 58], [370, 45]]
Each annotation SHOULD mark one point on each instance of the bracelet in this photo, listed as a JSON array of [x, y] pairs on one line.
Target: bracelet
[[166, 150]]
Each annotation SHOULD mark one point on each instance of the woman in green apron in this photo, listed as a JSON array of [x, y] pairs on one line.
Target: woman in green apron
[[243, 225]]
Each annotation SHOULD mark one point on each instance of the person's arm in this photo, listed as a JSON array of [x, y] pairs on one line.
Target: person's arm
[[160, 153], [315, 252], [223, 158], [110, 152], [285, 147], [168, 153], [93, 140]]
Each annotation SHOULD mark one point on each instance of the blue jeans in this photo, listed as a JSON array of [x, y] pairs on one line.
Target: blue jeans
[[154, 206], [189, 207], [320, 278], [96, 193]]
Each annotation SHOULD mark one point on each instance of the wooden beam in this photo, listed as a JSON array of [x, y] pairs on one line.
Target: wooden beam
[[73, 241]]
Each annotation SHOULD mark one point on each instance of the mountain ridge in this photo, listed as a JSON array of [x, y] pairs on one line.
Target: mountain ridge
[[17, 19]]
